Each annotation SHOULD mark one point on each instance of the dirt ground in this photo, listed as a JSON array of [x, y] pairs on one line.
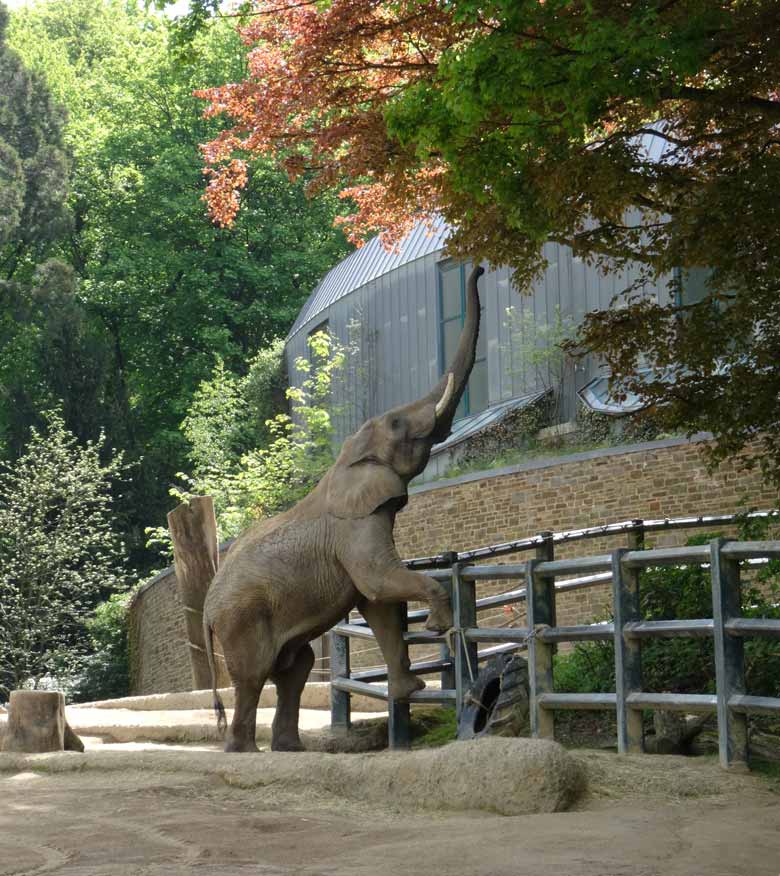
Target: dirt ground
[[643, 816]]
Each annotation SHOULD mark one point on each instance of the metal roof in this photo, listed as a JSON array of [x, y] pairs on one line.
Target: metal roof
[[366, 264], [469, 426]]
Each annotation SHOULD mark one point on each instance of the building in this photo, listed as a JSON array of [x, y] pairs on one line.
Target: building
[[399, 315]]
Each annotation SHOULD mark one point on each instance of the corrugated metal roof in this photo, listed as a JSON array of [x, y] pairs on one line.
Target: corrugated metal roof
[[366, 264], [469, 426]]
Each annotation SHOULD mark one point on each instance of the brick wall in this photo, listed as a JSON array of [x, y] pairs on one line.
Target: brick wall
[[660, 479]]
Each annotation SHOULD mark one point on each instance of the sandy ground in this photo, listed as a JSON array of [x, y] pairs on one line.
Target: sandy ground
[[644, 816]]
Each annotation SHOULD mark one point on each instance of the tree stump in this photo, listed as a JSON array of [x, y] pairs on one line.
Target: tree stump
[[193, 529], [36, 721]]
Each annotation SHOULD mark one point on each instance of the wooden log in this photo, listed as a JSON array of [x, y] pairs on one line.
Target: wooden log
[[36, 721], [193, 529]]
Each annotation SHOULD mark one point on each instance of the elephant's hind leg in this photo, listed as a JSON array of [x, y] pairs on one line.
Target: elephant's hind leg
[[249, 661], [289, 686]]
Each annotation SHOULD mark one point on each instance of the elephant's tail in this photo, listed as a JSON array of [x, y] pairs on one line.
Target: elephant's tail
[[219, 707]]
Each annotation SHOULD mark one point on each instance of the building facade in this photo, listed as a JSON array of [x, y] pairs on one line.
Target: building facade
[[398, 315]]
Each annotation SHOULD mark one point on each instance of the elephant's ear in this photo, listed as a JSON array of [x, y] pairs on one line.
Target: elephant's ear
[[359, 484]]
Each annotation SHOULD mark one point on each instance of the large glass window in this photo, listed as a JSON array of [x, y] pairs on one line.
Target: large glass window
[[452, 313]]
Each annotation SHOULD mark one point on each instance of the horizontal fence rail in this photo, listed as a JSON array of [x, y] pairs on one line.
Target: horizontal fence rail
[[627, 631]]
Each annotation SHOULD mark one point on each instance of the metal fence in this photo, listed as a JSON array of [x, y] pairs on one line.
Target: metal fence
[[544, 577]]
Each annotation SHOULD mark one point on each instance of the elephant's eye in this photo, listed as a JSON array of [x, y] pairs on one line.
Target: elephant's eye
[[395, 423]]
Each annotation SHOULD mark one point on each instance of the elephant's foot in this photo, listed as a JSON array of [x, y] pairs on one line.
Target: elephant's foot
[[440, 619], [240, 745], [287, 744], [402, 687]]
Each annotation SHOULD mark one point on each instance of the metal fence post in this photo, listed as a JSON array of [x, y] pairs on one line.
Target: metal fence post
[[636, 536], [729, 656], [399, 735], [628, 655], [540, 596], [448, 674], [340, 701], [464, 610]]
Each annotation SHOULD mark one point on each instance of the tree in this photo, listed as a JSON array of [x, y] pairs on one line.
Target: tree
[[521, 122], [251, 479], [45, 347], [59, 554], [164, 290]]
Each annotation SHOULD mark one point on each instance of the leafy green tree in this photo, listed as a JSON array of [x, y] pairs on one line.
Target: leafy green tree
[[47, 350], [163, 289], [249, 480], [59, 553]]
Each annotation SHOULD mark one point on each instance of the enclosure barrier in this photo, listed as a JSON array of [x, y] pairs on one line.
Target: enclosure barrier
[[622, 566]]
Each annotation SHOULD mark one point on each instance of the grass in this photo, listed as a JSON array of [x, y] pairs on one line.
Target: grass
[[518, 457], [433, 727], [769, 770]]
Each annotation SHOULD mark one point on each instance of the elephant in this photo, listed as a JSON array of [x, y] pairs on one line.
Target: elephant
[[289, 579]]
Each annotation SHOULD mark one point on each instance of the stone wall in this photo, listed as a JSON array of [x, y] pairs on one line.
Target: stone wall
[[659, 479]]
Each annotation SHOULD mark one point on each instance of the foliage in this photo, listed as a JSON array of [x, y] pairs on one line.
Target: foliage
[[161, 292], [506, 442], [538, 358], [521, 122], [59, 553], [255, 482], [105, 675], [685, 665]]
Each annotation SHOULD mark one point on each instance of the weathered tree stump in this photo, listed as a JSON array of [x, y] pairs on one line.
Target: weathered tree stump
[[193, 529], [36, 721]]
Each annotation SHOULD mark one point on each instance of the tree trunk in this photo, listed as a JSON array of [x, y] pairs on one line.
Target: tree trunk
[[36, 721], [193, 529]]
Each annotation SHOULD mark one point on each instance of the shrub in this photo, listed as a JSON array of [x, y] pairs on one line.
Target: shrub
[[59, 554]]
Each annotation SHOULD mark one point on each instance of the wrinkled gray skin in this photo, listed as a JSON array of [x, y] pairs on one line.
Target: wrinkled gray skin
[[289, 579]]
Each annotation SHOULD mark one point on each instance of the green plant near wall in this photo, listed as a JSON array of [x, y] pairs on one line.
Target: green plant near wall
[[255, 483], [683, 665]]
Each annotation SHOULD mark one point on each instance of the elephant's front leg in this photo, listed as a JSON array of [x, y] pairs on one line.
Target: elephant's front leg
[[385, 620]]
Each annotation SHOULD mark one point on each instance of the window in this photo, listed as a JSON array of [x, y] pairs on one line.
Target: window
[[452, 313]]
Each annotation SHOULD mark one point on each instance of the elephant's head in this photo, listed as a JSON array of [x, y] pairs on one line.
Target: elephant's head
[[376, 464]]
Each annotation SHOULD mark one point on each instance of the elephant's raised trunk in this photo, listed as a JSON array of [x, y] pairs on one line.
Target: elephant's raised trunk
[[448, 391]]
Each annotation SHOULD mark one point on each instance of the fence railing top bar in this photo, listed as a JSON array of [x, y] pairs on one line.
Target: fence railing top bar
[[748, 550], [550, 568], [486, 573], [656, 525], [677, 556]]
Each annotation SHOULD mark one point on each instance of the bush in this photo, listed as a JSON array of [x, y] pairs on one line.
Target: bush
[[59, 555], [106, 670]]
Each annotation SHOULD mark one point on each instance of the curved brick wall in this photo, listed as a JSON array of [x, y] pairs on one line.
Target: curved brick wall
[[658, 479]]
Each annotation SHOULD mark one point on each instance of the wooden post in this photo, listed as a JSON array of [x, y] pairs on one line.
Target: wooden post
[[464, 610], [448, 674], [340, 700], [540, 599], [399, 728], [628, 655], [729, 657], [36, 721], [193, 529]]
